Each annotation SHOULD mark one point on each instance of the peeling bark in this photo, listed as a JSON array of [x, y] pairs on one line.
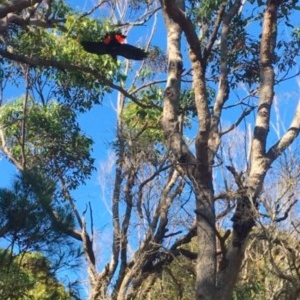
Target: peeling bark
[[218, 282], [244, 217], [198, 168]]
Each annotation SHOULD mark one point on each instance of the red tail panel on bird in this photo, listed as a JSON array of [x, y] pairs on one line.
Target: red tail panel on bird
[[120, 38], [114, 38], [107, 39]]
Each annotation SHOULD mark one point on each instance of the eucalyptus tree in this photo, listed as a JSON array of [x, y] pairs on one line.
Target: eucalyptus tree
[[220, 45], [174, 174]]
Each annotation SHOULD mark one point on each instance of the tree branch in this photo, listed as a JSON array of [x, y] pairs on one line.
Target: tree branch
[[198, 66], [34, 61], [266, 90], [170, 119], [21, 21], [6, 150], [287, 139], [223, 90], [185, 239], [178, 15], [16, 5], [214, 34], [245, 113]]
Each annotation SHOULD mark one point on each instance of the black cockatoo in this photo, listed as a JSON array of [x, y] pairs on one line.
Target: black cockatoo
[[113, 44]]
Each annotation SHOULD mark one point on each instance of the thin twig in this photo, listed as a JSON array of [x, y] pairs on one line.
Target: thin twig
[[245, 113]]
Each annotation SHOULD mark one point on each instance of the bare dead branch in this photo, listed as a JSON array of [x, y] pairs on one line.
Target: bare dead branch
[[172, 234], [287, 211], [89, 253], [245, 113], [238, 177], [92, 220], [93, 9], [75, 234], [214, 34], [229, 208], [223, 90], [287, 139], [146, 181], [228, 195], [148, 84], [142, 19], [185, 239]]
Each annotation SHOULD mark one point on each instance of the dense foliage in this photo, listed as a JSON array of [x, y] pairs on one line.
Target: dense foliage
[[28, 276]]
